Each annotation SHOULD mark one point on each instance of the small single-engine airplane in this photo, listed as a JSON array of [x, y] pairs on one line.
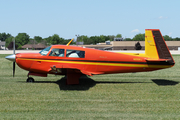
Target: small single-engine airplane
[[74, 61]]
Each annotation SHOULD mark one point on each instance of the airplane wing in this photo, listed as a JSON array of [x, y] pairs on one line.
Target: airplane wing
[[91, 73], [60, 70]]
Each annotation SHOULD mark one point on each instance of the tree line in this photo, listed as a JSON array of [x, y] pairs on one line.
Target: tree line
[[23, 38]]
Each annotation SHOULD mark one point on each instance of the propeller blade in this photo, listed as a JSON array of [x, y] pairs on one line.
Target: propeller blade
[[14, 64], [14, 44], [12, 57]]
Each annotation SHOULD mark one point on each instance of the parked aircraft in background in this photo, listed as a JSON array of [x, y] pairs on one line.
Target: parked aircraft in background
[[74, 61]]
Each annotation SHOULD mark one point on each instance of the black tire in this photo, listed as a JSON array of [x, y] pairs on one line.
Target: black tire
[[30, 80]]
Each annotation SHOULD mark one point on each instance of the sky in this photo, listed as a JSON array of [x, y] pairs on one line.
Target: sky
[[68, 18]]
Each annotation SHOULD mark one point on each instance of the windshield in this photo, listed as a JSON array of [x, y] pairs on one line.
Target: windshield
[[45, 51]]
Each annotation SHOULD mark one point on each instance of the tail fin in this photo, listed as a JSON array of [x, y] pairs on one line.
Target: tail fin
[[155, 47]]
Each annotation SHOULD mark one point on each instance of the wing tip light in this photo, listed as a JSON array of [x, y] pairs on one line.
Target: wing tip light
[[70, 42]]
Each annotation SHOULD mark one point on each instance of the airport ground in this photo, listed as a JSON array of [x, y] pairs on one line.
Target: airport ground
[[131, 96]]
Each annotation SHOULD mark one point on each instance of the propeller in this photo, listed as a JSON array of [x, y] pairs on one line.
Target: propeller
[[12, 58], [14, 63]]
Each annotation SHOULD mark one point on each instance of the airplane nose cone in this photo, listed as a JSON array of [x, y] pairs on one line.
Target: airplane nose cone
[[11, 57]]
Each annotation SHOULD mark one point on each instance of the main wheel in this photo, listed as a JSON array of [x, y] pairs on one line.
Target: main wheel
[[30, 80]]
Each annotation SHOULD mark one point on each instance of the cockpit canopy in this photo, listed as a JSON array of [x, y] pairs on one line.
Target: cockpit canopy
[[60, 52], [45, 51]]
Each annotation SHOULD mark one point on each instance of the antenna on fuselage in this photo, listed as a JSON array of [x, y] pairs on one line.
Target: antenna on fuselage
[[70, 42]]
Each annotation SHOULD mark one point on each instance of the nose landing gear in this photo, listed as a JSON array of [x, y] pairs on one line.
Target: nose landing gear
[[30, 80]]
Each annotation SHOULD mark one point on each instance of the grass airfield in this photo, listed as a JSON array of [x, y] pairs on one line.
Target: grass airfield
[[148, 95]]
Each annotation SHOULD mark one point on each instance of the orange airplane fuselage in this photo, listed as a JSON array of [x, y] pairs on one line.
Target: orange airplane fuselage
[[74, 61], [95, 62]]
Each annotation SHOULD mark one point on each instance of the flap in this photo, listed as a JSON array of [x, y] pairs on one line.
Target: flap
[[91, 73]]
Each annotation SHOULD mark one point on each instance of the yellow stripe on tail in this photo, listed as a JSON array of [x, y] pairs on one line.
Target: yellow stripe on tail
[[150, 46]]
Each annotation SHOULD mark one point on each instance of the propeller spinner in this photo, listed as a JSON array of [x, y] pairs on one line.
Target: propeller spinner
[[11, 57]]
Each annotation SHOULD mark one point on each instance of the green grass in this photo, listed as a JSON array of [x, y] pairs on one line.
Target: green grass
[[148, 95]]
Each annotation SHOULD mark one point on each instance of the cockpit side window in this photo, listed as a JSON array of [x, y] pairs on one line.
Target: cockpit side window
[[45, 51], [75, 53], [57, 52]]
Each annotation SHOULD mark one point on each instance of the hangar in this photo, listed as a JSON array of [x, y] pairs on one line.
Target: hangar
[[129, 45]]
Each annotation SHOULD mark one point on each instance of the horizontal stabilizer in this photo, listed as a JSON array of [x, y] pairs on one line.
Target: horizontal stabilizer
[[157, 60]]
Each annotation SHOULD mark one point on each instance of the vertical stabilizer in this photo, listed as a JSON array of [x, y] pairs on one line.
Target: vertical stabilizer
[[155, 46]]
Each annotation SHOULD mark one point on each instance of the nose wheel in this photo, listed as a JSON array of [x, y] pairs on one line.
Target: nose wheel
[[30, 80]]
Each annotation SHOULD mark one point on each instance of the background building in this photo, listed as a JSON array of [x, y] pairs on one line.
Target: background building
[[2, 45], [129, 45]]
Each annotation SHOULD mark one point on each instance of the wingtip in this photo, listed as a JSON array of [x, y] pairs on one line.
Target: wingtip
[[70, 42]]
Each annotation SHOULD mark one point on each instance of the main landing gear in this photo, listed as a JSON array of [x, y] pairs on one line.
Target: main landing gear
[[30, 80]]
